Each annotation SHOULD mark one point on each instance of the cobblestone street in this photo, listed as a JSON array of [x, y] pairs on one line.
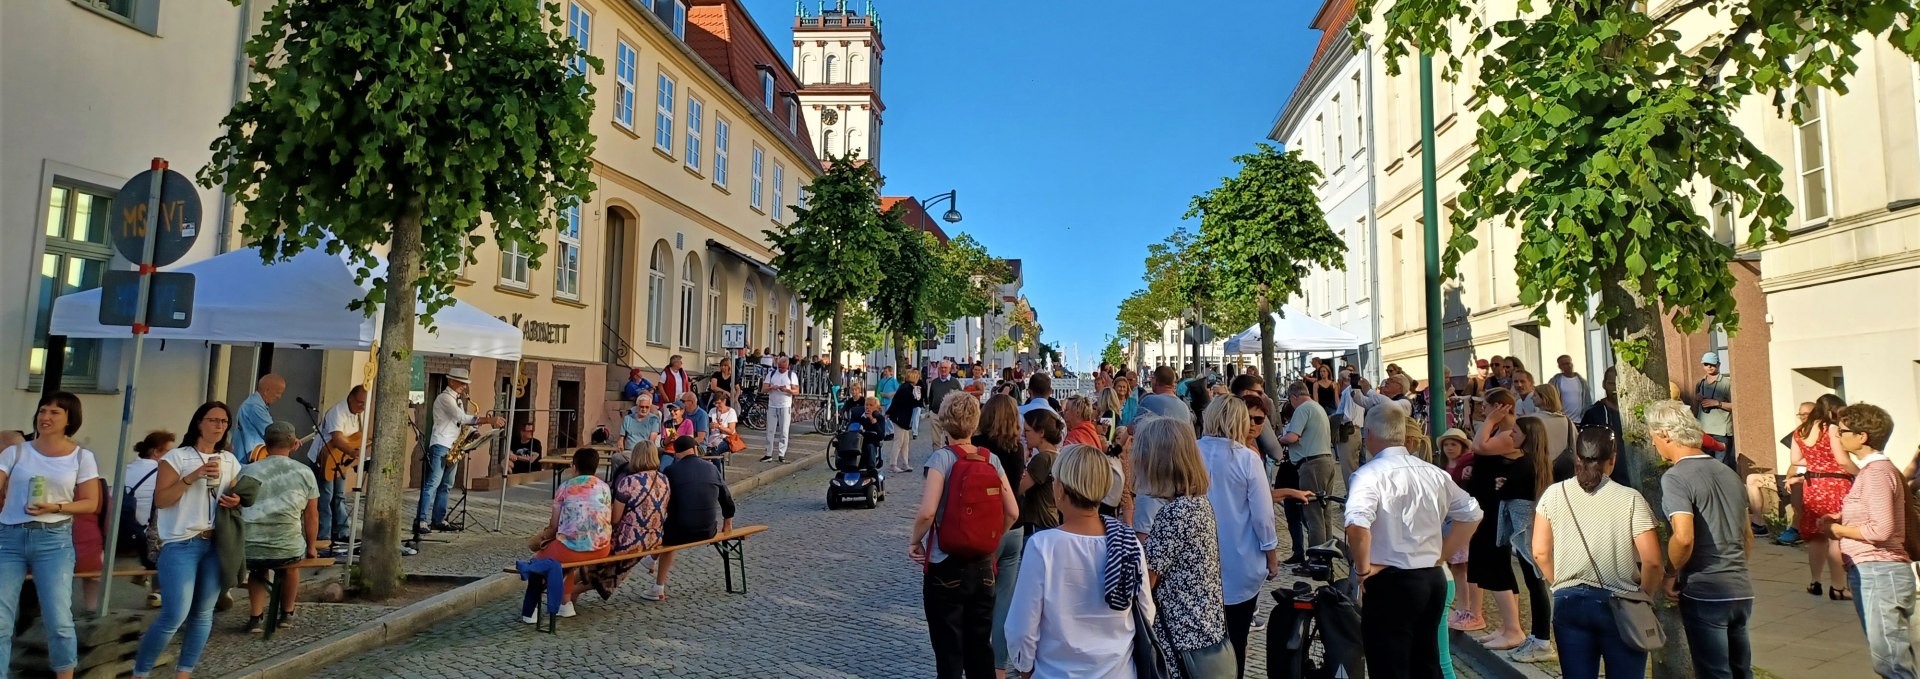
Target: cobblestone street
[[831, 594]]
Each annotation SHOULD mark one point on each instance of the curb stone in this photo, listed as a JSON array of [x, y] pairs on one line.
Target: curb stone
[[1494, 663], [412, 619]]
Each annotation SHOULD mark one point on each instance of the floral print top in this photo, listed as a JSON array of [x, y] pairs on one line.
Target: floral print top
[[1184, 548], [584, 506]]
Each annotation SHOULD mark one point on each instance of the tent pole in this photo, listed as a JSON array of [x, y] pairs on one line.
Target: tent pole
[[513, 406], [360, 465]]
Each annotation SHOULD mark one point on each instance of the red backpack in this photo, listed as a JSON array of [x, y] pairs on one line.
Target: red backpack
[[973, 515]]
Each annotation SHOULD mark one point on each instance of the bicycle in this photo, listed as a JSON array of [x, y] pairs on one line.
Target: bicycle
[[1314, 630]]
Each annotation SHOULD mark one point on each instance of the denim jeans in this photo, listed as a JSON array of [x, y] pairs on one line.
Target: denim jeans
[[1883, 598], [1006, 571], [779, 425], [958, 597], [1209, 662], [333, 508], [1717, 636], [46, 551], [1585, 634], [434, 486], [189, 587]]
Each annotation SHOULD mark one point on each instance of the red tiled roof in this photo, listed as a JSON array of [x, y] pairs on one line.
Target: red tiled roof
[[728, 39], [915, 216]]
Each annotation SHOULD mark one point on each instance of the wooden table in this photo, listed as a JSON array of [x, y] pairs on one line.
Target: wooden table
[[558, 466]]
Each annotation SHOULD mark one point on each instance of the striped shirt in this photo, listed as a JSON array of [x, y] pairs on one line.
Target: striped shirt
[[1593, 534], [1877, 506]]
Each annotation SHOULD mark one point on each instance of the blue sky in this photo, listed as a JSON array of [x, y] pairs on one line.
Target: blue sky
[[1075, 131]]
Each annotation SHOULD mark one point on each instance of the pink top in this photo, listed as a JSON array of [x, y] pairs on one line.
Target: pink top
[[1877, 506]]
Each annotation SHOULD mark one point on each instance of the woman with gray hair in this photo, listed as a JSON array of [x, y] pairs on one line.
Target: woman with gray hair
[[1243, 516]]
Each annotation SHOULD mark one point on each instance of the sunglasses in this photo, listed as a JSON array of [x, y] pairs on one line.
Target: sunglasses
[[1258, 419]]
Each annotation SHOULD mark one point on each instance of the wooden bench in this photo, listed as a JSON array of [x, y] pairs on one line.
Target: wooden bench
[[117, 573], [730, 544]]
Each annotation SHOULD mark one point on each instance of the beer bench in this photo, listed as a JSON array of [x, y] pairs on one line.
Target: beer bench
[[731, 545]]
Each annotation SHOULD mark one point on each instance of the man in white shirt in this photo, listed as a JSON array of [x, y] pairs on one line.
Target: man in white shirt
[[1572, 388], [449, 415], [1396, 535], [333, 452], [780, 387]]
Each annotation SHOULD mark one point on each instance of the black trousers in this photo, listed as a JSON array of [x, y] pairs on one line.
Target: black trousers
[[958, 597], [1399, 615], [1239, 621]]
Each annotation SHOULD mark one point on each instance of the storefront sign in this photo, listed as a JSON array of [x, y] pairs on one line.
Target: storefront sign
[[539, 331]]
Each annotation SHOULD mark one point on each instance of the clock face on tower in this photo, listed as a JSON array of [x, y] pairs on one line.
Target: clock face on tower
[[829, 116]]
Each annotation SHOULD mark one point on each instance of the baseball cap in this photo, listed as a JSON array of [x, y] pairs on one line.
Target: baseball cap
[[1710, 358]]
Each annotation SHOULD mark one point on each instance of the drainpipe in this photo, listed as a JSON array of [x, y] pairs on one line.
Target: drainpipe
[[219, 357], [1373, 214]]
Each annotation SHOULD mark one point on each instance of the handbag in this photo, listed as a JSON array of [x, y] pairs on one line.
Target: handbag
[[1633, 616], [1149, 659]]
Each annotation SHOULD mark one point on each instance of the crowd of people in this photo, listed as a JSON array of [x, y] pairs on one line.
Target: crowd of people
[[1148, 515]]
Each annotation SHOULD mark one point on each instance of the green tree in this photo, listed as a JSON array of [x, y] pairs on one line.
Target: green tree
[[968, 283], [863, 332], [1113, 353], [1602, 130], [902, 302], [1181, 285], [832, 250], [1262, 231], [427, 131], [1138, 322]]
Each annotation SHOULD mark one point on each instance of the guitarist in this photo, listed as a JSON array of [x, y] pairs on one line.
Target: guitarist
[[449, 416], [335, 451]]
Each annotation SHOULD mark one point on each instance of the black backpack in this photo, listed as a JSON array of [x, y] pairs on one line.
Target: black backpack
[[133, 536]]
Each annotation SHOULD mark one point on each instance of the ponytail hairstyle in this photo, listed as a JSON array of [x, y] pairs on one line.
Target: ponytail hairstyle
[[155, 442], [1534, 451], [1591, 453], [1826, 413]]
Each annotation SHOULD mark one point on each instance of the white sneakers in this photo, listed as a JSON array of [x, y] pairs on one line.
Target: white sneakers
[[531, 619], [566, 610], [1533, 650], [657, 592]]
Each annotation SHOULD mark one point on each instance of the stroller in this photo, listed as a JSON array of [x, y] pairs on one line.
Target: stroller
[[857, 480]]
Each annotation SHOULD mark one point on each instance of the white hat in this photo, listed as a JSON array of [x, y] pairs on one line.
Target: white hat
[[460, 374]]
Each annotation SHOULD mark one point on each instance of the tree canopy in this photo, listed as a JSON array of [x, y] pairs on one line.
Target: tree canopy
[[422, 130], [832, 250]]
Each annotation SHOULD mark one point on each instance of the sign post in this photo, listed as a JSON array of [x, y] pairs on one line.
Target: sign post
[[156, 200]]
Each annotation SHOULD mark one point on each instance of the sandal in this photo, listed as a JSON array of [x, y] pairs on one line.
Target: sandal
[[1839, 594], [1814, 589]]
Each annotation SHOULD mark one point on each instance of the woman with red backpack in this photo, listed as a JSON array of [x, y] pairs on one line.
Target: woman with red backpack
[[965, 509]]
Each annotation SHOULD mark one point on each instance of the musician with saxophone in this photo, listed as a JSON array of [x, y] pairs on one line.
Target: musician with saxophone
[[333, 453], [450, 417]]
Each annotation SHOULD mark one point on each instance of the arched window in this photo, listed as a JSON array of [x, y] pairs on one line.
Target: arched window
[[826, 143], [793, 324], [716, 311], [853, 143], [657, 294], [833, 68], [689, 303], [749, 311]]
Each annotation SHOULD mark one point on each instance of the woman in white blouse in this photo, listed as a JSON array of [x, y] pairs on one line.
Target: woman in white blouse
[[193, 480], [1063, 621], [44, 483]]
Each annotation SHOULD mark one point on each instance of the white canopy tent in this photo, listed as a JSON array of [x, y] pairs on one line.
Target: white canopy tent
[[300, 302], [1293, 330]]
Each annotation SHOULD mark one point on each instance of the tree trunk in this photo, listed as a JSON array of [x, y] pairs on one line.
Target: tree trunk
[[839, 336], [981, 358], [1264, 306], [380, 573], [1636, 386], [899, 353]]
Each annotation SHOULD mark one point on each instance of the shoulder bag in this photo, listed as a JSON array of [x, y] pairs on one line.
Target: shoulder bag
[[1633, 616]]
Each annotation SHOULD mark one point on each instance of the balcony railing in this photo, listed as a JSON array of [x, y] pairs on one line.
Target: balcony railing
[[835, 21]]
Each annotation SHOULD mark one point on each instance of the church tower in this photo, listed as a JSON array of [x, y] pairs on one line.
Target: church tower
[[836, 52]]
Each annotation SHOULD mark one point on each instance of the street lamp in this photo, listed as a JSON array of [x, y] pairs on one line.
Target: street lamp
[[953, 205]]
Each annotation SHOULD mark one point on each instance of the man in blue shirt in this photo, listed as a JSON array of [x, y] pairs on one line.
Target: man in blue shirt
[[250, 425]]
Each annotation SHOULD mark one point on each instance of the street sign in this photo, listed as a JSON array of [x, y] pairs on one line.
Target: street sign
[[176, 226], [927, 330], [929, 345], [169, 301], [1199, 333], [733, 336]]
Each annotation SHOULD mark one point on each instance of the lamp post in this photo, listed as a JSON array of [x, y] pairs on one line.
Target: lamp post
[[1430, 208], [952, 199]]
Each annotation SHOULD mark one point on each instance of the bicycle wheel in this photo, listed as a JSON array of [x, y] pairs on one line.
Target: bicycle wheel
[[755, 418], [826, 421], [1309, 661]]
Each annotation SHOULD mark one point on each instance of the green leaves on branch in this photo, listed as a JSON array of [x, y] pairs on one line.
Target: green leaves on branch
[[1262, 231], [1113, 353], [460, 114], [833, 249], [967, 281], [902, 300]]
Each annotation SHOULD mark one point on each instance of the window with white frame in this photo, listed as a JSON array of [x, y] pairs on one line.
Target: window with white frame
[[1320, 144], [749, 306], [74, 260], [689, 303], [1361, 252], [657, 295], [663, 115], [1359, 116], [754, 193], [833, 65], [673, 13], [773, 322], [696, 116], [1810, 142], [715, 312], [779, 191], [793, 118], [1345, 294], [1339, 134], [623, 76], [566, 276], [513, 266], [721, 139], [826, 144], [793, 325], [580, 28], [766, 88]]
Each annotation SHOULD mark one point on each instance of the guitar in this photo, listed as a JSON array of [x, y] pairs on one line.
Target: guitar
[[335, 460]]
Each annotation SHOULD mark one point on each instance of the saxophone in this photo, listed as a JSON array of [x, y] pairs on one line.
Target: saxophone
[[468, 432]]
